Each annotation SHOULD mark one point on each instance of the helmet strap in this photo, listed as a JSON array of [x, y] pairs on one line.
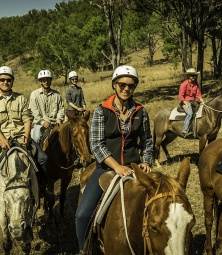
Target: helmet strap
[[122, 101]]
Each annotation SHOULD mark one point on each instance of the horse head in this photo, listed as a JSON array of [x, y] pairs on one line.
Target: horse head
[[168, 217], [80, 139], [17, 198]]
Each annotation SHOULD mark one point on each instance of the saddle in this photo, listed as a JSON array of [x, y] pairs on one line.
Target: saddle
[[195, 106], [109, 182]]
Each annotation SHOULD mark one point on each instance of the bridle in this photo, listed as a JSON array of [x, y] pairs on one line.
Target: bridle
[[23, 185], [146, 236]]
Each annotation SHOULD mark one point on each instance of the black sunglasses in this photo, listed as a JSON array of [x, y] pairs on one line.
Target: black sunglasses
[[74, 79], [3, 80], [122, 85]]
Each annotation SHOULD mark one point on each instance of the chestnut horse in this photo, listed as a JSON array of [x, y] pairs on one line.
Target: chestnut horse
[[207, 127], [67, 148], [211, 186], [151, 212]]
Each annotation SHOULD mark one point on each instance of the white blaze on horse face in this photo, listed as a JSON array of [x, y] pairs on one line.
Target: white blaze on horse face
[[177, 224]]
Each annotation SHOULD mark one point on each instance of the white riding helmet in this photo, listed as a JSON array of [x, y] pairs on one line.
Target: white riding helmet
[[44, 74], [7, 70], [73, 74], [123, 71]]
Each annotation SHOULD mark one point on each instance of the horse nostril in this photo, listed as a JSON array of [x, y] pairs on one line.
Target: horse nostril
[[84, 162], [23, 225]]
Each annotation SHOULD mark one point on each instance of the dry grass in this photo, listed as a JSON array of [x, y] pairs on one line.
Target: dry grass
[[158, 88]]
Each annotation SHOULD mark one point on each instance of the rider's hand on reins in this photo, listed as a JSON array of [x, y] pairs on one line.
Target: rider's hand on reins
[[145, 167], [123, 171], [46, 124]]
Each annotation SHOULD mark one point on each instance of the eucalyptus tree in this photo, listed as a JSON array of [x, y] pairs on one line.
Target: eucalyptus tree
[[60, 48], [193, 18], [95, 49], [112, 11], [142, 30]]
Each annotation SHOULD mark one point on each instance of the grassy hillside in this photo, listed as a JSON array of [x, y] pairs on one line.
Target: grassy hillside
[[158, 88]]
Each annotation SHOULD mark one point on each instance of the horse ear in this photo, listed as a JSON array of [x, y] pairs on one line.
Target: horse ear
[[143, 178], [184, 172]]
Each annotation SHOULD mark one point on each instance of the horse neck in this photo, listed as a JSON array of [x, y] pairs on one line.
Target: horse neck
[[216, 103]]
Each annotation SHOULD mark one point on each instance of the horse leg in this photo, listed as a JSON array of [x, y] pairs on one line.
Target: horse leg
[[168, 139], [202, 143], [50, 204], [26, 247], [62, 197], [208, 208], [157, 143]]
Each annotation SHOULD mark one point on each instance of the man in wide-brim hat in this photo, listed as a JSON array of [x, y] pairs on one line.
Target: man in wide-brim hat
[[192, 71], [188, 92]]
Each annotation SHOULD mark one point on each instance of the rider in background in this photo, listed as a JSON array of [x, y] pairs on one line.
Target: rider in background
[[119, 135], [189, 90], [15, 122], [74, 97], [46, 105]]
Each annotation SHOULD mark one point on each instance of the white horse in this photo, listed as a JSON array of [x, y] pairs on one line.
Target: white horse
[[19, 198]]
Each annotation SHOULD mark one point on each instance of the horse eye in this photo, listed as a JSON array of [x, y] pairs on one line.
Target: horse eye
[[154, 228]]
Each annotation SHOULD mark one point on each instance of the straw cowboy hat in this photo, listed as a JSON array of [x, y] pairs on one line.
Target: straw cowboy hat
[[192, 71]]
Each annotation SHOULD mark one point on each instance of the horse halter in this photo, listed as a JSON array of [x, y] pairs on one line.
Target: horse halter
[[146, 236]]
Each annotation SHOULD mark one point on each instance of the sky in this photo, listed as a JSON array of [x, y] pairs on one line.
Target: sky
[[20, 7]]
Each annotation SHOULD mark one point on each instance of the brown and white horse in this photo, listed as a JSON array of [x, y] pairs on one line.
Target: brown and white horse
[[151, 213]]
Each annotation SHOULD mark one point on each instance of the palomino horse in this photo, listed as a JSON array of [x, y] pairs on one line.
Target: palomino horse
[[207, 127], [19, 198], [150, 211], [67, 148], [211, 186]]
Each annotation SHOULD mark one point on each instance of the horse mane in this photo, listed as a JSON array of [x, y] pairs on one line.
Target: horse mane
[[65, 133], [168, 184], [65, 137]]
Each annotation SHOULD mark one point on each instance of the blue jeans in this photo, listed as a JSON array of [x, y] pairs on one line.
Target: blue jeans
[[38, 130], [189, 116], [90, 198]]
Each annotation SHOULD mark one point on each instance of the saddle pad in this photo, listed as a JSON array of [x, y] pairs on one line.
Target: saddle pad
[[175, 115], [199, 112]]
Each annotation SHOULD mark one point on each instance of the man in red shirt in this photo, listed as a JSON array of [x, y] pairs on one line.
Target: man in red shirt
[[188, 92]]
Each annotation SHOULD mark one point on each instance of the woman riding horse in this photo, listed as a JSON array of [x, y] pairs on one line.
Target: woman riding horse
[[116, 126]]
